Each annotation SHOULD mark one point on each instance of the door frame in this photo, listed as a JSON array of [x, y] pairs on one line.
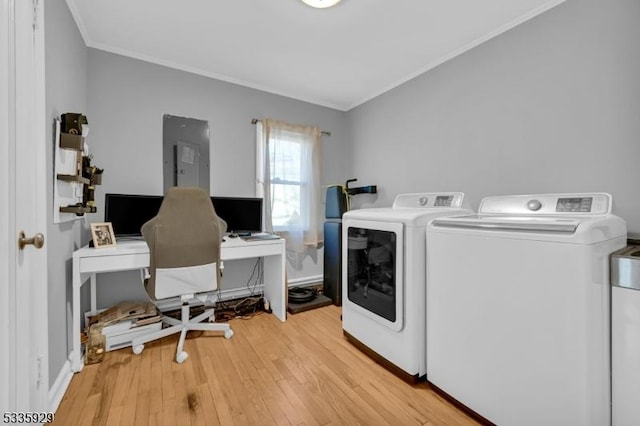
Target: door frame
[[7, 253]]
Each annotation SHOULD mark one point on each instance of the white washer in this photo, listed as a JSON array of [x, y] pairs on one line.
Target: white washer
[[518, 308], [383, 276]]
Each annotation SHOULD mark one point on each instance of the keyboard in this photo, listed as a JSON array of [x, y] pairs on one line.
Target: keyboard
[[261, 237]]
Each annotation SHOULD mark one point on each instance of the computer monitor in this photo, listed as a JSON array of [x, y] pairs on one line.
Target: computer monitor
[[127, 213], [243, 215]]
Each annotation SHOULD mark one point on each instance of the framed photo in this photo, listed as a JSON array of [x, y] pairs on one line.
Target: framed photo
[[102, 234]]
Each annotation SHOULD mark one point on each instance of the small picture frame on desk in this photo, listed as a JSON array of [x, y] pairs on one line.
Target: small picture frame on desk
[[103, 235]]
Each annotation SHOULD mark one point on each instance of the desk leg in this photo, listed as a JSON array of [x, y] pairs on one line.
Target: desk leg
[[76, 354], [275, 285], [93, 293]]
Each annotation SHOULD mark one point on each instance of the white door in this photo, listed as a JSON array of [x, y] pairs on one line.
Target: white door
[[23, 277], [4, 210]]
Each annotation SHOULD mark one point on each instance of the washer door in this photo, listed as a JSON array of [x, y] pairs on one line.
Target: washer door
[[372, 275]]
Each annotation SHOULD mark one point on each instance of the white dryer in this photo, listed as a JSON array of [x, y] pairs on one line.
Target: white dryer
[[518, 308], [383, 276]]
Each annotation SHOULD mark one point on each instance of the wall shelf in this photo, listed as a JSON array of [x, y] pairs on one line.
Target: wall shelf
[[78, 210], [73, 142], [69, 185], [73, 178]]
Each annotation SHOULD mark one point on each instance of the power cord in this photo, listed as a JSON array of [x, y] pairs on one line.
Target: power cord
[[244, 308], [257, 276]]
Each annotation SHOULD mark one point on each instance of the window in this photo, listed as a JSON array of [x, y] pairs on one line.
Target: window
[[288, 178], [285, 164]]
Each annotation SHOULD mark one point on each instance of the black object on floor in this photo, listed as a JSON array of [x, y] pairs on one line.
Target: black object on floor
[[317, 302], [302, 295]]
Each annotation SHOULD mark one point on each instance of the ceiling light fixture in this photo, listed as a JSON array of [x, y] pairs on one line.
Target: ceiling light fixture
[[321, 4]]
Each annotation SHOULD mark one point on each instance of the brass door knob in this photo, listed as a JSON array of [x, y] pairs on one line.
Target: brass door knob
[[37, 240]]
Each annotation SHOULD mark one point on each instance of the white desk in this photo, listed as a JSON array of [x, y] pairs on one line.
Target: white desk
[[88, 261]]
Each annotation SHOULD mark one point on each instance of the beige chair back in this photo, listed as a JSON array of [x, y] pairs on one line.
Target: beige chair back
[[184, 244]]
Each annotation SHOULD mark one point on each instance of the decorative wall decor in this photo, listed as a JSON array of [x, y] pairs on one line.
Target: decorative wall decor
[[76, 177]]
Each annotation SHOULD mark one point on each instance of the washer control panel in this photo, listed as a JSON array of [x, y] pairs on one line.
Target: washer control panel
[[589, 204], [574, 205]]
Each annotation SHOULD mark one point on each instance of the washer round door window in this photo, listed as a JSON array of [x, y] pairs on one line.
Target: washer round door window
[[374, 270]]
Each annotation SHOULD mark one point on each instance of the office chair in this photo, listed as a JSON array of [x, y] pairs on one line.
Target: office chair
[[184, 259]]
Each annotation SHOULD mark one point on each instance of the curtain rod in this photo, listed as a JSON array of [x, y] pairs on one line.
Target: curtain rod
[[255, 120]]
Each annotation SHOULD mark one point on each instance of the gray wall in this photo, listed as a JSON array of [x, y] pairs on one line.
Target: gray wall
[[552, 105], [127, 99], [66, 91]]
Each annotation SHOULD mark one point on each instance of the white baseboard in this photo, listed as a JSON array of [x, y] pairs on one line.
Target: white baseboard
[[306, 281], [59, 387]]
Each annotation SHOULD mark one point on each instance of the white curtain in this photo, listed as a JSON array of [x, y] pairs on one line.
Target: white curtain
[[288, 175]]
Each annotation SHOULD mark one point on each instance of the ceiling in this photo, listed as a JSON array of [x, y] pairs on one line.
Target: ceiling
[[338, 57]]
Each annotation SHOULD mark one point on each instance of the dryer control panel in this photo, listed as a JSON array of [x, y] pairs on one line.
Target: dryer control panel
[[588, 204], [429, 200]]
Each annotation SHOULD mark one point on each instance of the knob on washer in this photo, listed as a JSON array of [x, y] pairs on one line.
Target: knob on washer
[[534, 205]]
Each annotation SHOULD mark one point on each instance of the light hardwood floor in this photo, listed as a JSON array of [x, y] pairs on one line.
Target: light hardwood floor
[[270, 373]]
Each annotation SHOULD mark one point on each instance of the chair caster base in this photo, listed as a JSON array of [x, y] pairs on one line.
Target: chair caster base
[[228, 334], [138, 349], [181, 357]]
